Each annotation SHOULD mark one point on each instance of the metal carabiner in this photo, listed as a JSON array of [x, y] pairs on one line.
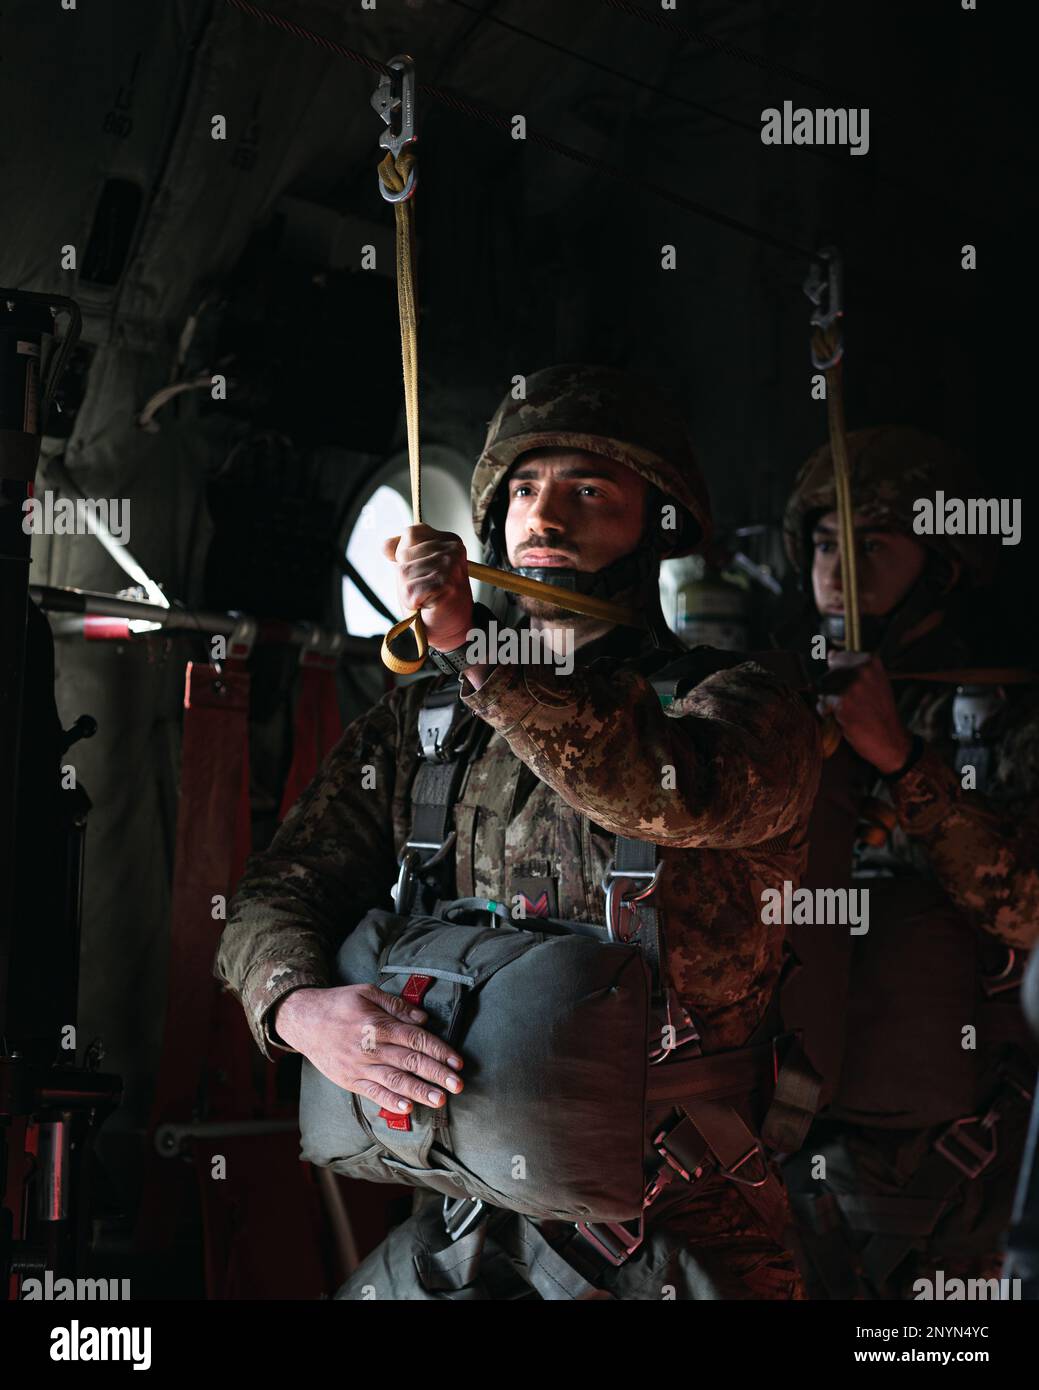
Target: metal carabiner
[[611, 886], [824, 286], [394, 100]]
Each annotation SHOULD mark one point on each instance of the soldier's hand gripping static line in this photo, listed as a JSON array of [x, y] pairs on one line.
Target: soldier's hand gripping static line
[[566, 509]]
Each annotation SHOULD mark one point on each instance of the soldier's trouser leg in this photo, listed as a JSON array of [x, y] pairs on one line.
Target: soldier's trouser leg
[[700, 1243]]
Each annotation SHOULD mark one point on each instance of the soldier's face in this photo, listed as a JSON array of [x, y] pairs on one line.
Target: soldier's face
[[574, 510], [888, 564]]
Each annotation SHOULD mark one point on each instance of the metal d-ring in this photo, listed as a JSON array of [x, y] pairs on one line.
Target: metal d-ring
[[610, 885]]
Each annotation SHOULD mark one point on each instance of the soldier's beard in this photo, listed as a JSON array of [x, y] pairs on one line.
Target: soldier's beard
[[546, 610], [545, 613]]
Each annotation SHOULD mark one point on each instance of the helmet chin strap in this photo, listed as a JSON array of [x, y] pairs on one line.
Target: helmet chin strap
[[882, 635], [636, 577], [630, 572]]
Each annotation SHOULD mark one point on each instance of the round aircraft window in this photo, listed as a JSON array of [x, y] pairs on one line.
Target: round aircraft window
[[386, 513], [385, 510]]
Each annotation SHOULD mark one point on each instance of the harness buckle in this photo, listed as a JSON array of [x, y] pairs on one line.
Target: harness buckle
[[684, 1030], [672, 1165], [410, 864], [618, 901], [462, 1213], [757, 1151], [394, 100], [963, 1151], [612, 1239]]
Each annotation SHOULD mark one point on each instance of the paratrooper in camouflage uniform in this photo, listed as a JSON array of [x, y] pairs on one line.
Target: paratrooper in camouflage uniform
[[951, 860], [573, 760]]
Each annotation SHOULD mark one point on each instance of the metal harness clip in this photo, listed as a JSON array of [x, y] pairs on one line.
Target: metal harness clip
[[612, 1239], [394, 100], [967, 1154], [411, 864], [460, 1214], [618, 901]]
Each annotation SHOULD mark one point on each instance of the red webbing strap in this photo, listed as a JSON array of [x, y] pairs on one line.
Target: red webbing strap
[[246, 1253], [213, 840], [317, 727], [414, 992]]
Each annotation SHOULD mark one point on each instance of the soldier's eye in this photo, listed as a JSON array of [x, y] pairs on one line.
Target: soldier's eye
[[825, 547]]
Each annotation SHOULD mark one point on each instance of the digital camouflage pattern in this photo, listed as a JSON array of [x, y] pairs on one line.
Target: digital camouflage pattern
[[603, 411], [981, 847], [968, 855], [891, 466], [722, 781], [573, 760]]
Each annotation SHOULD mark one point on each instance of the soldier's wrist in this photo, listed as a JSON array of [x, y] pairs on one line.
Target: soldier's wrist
[[288, 1013], [454, 659], [915, 752]]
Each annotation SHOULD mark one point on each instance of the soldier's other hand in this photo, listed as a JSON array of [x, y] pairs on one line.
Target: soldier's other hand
[[857, 690], [433, 578], [370, 1042]]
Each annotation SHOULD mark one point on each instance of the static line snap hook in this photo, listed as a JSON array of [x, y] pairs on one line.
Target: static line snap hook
[[825, 288], [394, 100]]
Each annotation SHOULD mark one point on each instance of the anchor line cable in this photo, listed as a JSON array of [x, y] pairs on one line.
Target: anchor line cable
[[678, 30], [831, 157], [466, 107], [599, 66]]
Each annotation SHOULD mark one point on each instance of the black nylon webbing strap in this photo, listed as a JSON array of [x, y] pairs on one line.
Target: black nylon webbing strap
[[898, 1216], [714, 1077], [437, 782], [742, 1160], [640, 856], [795, 1101], [941, 1175], [826, 1261], [432, 798]]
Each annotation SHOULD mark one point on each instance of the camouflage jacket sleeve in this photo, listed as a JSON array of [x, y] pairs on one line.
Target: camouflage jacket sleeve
[[732, 764], [984, 852], [329, 862]]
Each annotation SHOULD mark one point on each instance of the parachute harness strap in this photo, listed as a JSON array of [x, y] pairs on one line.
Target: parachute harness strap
[[394, 100]]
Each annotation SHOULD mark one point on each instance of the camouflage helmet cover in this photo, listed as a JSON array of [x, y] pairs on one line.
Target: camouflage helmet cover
[[892, 466], [603, 411]]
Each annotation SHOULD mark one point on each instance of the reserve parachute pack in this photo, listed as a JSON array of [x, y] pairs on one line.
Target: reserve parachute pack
[[586, 1089]]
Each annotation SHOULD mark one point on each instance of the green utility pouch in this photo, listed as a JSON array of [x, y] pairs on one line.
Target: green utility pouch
[[554, 1029]]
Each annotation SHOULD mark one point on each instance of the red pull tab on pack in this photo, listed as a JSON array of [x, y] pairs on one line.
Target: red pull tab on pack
[[414, 992]]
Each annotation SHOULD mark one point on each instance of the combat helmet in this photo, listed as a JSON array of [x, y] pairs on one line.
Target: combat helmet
[[891, 468], [604, 411]]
